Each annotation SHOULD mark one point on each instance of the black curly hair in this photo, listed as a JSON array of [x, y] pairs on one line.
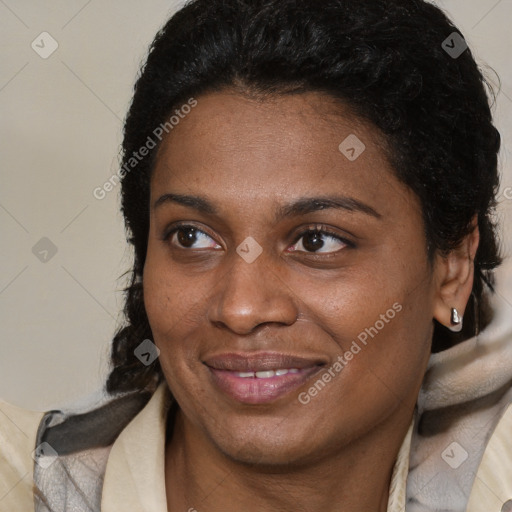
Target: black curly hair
[[385, 60]]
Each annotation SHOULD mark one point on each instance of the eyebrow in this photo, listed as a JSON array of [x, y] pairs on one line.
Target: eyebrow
[[301, 206]]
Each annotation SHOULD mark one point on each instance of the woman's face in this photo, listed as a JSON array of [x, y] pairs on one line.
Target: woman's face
[[280, 343]]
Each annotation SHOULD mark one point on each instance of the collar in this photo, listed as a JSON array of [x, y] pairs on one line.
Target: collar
[[135, 474]]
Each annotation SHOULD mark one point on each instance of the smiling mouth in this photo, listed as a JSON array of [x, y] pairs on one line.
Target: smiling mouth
[[261, 378], [266, 374]]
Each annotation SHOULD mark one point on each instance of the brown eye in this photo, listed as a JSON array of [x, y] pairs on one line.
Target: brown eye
[[186, 236], [190, 237], [320, 242], [312, 241]]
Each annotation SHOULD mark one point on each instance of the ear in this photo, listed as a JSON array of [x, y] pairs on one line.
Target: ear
[[454, 275]]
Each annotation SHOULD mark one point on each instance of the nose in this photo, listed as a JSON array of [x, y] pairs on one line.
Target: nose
[[252, 295]]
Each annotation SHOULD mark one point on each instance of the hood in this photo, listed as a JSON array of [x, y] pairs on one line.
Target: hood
[[465, 392]]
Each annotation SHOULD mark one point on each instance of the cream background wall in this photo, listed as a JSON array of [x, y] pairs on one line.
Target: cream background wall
[[60, 131]]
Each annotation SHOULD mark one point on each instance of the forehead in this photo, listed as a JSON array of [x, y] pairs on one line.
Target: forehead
[[236, 148]]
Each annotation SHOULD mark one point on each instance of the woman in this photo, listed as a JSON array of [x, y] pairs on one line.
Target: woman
[[309, 189]]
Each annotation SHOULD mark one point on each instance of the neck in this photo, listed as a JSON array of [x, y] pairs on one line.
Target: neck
[[356, 478]]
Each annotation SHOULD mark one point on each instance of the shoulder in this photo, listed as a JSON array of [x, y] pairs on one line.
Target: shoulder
[[74, 450], [79, 439], [18, 432], [493, 482]]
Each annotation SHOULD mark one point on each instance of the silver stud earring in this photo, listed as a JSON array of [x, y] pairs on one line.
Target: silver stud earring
[[456, 321]]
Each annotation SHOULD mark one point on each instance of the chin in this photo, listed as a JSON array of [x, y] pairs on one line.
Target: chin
[[267, 444], [266, 455]]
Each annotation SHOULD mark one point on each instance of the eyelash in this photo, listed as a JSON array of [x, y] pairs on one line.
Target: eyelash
[[314, 228], [170, 233], [323, 230]]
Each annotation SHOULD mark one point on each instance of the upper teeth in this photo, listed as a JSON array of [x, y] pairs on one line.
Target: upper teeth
[[267, 373]]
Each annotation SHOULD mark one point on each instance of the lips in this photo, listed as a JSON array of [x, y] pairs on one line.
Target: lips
[[262, 377], [262, 361]]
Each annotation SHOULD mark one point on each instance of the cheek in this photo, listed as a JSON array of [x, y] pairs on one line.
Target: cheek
[[382, 363], [174, 309], [169, 297], [381, 323]]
